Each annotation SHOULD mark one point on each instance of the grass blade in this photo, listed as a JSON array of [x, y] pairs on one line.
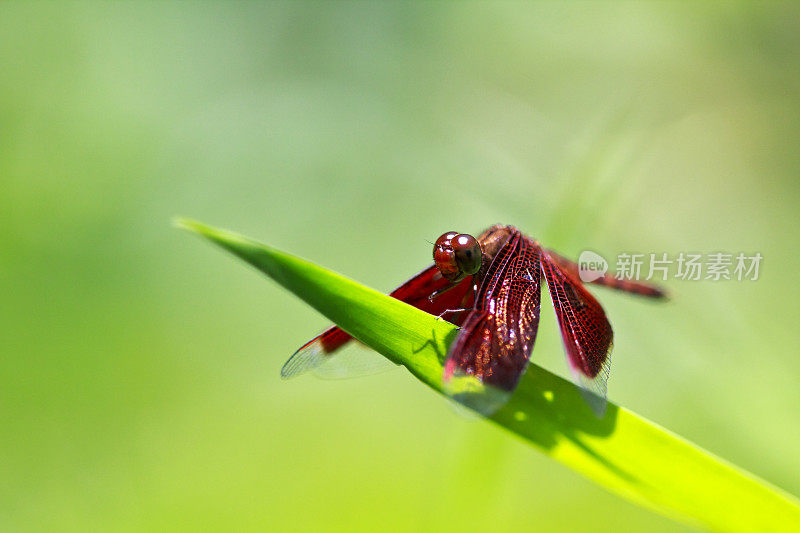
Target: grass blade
[[623, 452]]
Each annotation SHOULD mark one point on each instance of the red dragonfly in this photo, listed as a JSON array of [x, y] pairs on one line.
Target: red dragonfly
[[491, 287]]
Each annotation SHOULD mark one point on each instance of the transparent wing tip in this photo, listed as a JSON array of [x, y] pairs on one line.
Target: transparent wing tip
[[594, 390], [593, 396], [303, 360], [352, 362], [473, 393]]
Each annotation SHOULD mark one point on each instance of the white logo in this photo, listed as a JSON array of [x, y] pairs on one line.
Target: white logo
[[591, 266]]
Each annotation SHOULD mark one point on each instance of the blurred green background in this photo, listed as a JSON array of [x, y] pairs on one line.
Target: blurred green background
[[139, 375]]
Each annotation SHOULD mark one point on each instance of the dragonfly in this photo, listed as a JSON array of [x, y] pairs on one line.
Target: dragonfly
[[491, 287]]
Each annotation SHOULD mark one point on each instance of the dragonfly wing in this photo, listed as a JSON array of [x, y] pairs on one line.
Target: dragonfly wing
[[315, 352], [607, 279], [587, 334], [352, 361], [415, 291], [494, 346]]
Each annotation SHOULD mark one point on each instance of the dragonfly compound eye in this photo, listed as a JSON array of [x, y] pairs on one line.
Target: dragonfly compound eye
[[444, 240], [445, 257], [467, 252]]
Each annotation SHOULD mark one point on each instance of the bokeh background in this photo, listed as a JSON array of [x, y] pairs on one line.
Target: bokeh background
[[139, 374]]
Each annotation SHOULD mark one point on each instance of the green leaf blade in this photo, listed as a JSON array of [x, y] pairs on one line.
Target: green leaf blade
[[623, 452]]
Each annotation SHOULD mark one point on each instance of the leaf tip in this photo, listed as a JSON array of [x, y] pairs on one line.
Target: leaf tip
[[187, 224]]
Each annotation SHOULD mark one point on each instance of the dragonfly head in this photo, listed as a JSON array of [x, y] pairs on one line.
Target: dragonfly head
[[457, 255]]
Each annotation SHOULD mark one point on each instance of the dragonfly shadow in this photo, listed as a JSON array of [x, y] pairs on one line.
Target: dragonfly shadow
[[441, 354], [546, 409]]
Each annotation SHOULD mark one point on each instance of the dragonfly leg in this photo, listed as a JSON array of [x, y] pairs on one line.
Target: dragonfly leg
[[453, 311]]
